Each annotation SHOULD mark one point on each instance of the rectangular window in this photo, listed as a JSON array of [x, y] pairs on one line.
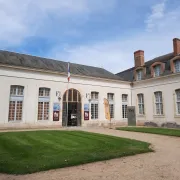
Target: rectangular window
[[139, 75], [16, 103], [94, 105], [157, 70], [43, 103], [94, 111], [110, 97], [124, 105], [178, 101], [158, 103], [141, 103], [177, 66]]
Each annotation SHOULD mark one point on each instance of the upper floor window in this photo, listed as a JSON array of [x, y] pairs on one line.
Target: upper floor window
[[94, 105], [157, 70], [124, 105], [177, 66], [139, 74], [158, 103], [16, 103], [178, 101], [141, 103], [43, 103], [110, 97]]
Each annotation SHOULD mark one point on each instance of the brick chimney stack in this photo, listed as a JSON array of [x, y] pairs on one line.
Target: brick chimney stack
[[176, 46], [139, 58]]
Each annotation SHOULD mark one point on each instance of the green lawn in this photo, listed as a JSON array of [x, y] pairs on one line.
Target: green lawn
[[161, 131], [28, 152]]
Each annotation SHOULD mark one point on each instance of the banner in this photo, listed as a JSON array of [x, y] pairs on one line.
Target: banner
[[56, 109], [107, 110], [86, 111]]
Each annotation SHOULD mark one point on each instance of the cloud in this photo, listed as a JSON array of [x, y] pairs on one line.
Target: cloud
[[21, 19], [116, 54]]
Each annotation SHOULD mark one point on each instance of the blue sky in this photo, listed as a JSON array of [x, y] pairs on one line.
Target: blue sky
[[103, 33]]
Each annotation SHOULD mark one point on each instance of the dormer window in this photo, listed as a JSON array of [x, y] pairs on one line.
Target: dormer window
[[157, 70], [177, 66], [139, 74]]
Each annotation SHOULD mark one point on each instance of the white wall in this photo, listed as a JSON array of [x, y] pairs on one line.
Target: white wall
[[32, 80], [167, 85]]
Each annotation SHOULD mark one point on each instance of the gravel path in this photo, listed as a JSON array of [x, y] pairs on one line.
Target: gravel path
[[163, 164]]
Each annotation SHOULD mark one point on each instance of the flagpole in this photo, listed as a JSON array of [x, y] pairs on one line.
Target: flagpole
[[67, 102]]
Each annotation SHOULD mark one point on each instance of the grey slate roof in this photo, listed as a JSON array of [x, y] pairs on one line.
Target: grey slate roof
[[128, 75], [33, 62]]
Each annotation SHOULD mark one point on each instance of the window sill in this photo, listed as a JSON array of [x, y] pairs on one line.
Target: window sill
[[159, 116], [141, 115], [177, 116], [20, 121]]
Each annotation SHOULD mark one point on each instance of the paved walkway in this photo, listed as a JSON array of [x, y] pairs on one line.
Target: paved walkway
[[163, 164]]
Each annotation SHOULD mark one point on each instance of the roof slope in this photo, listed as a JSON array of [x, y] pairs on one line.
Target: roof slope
[[128, 75], [33, 62]]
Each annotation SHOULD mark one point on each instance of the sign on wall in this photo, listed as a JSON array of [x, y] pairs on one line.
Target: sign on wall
[[56, 109], [86, 111], [131, 114]]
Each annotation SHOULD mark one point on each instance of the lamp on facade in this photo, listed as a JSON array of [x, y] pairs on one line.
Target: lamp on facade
[[88, 96], [58, 95]]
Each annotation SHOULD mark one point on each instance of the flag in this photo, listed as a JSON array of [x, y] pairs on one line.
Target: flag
[[69, 74], [107, 110]]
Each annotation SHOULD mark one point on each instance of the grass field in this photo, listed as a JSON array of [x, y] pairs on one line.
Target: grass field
[[28, 152], [161, 131]]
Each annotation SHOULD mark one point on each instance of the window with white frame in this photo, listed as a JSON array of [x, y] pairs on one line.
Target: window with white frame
[[178, 101], [16, 103], [110, 97], [139, 74], [94, 105], [43, 103], [141, 103], [158, 103], [124, 105], [157, 70], [177, 66]]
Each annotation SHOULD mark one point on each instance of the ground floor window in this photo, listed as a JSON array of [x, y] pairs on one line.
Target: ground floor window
[[94, 111], [43, 110], [124, 111], [111, 106], [178, 101], [15, 110]]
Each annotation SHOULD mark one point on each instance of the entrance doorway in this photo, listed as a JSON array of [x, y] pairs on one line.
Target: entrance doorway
[[71, 108]]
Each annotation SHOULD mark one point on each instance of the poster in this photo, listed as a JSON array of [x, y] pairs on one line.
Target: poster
[[107, 110], [56, 109], [86, 111]]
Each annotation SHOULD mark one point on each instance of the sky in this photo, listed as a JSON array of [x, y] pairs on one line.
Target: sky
[[101, 33]]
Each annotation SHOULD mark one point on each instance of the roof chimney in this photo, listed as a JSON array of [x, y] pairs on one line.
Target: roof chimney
[[139, 58], [176, 46]]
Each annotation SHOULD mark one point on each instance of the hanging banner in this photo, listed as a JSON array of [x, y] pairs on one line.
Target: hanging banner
[[56, 109], [107, 110], [86, 111]]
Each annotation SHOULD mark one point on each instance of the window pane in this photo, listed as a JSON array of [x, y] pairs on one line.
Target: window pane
[[92, 111], [110, 96], [124, 111], [111, 110], [177, 66], [124, 98], [20, 90], [157, 70], [94, 95], [70, 95], [40, 111], [13, 90], [75, 95], [19, 110], [96, 111], [46, 110], [41, 92], [46, 92], [178, 95], [139, 74], [178, 107], [11, 110]]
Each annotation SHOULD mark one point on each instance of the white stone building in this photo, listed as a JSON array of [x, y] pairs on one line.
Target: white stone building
[[34, 91]]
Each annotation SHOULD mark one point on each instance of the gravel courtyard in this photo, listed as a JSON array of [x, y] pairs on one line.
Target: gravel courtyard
[[163, 164]]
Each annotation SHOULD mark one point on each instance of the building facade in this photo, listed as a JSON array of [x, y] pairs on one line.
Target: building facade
[[34, 92]]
